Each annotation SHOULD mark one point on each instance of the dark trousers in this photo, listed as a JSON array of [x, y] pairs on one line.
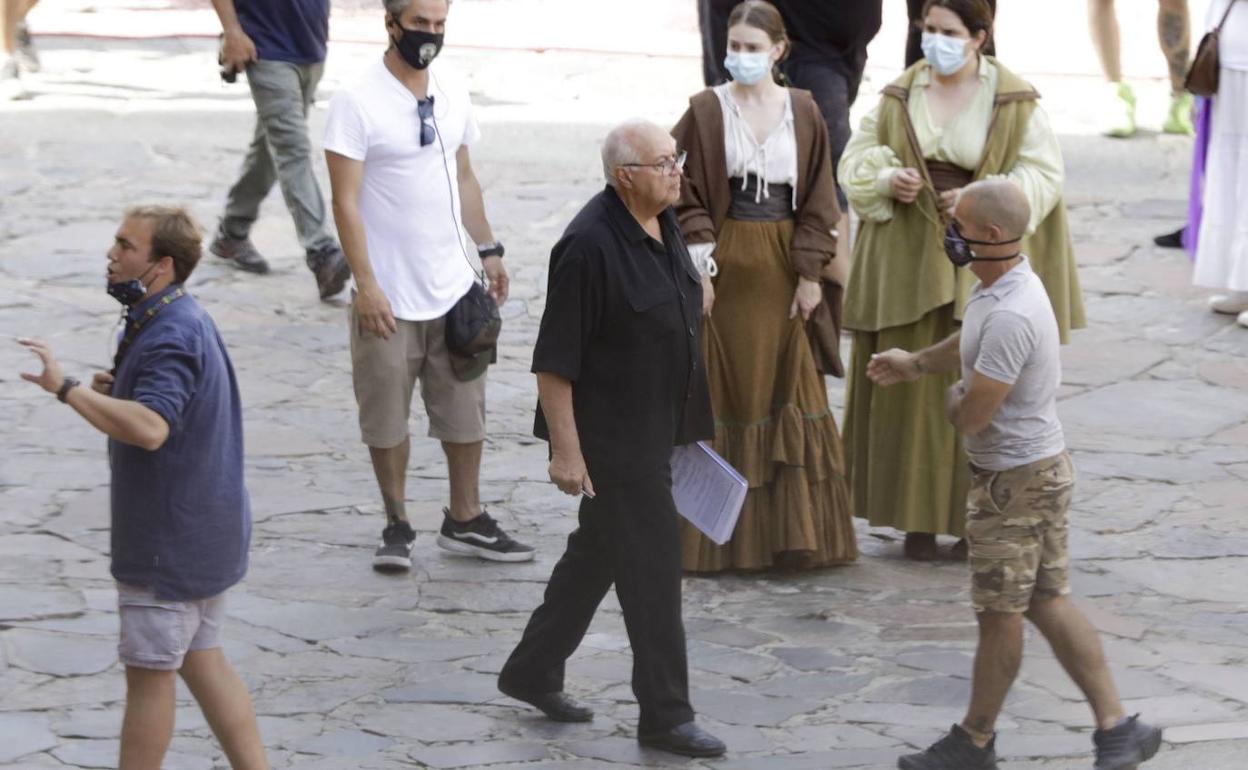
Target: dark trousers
[[713, 24], [914, 38], [629, 536], [834, 86]]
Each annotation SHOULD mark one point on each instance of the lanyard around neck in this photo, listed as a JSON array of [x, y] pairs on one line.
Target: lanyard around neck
[[136, 325]]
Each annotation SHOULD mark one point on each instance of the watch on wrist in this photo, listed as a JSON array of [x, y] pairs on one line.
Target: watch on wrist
[[67, 384], [491, 249]]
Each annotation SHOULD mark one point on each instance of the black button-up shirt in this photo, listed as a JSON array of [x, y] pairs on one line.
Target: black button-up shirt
[[623, 324]]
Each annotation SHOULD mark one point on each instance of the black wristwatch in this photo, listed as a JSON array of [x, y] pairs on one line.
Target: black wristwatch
[[494, 249], [67, 384]]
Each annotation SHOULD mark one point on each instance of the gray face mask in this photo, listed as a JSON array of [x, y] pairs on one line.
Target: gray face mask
[[946, 54]]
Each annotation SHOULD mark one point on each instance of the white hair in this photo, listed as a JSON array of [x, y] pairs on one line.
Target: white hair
[[620, 147]]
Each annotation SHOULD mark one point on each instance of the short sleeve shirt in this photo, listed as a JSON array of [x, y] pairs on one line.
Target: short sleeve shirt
[[292, 31], [1009, 334], [409, 198], [181, 517], [623, 324]]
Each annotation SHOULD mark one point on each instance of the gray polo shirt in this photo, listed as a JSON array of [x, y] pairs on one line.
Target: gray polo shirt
[[1009, 333]]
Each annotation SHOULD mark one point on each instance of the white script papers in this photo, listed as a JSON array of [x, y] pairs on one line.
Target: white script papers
[[708, 491]]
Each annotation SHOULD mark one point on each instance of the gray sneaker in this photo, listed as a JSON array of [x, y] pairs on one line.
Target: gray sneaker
[[1126, 746], [240, 252], [956, 751], [11, 88], [25, 54]]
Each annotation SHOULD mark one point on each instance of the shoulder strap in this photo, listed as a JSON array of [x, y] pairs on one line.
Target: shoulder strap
[[1226, 14]]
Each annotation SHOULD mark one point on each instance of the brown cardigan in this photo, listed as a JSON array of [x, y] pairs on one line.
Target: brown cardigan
[[705, 199]]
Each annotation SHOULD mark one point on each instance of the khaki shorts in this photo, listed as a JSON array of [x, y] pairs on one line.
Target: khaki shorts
[[158, 633], [385, 371], [1016, 529]]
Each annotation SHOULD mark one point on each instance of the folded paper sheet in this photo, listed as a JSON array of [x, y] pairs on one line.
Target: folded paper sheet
[[708, 491]]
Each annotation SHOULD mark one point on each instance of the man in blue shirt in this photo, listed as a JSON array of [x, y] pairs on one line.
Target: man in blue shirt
[[181, 520], [280, 44]]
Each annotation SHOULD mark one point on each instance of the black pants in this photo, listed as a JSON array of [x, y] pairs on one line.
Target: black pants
[[713, 24], [629, 536], [834, 85], [914, 38]]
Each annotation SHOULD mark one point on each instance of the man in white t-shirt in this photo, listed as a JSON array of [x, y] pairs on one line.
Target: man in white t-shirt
[[405, 197], [1021, 486]]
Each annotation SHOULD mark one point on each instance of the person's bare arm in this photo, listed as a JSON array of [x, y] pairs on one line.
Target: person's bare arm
[[126, 421], [239, 49], [346, 176], [472, 204], [970, 409], [567, 464], [896, 365]]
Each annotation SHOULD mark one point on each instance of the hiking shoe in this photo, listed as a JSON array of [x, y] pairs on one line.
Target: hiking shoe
[[956, 751], [481, 537], [1127, 745], [240, 252], [25, 54], [11, 88], [1179, 118], [331, 270], [395, 552], [1119, 111]]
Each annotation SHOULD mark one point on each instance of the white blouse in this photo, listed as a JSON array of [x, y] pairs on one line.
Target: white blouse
[[773, 161]]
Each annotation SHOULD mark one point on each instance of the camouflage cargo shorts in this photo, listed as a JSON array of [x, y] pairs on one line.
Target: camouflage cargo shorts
[[1016, 529]]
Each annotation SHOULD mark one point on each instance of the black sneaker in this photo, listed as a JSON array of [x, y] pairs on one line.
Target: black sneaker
[[1127, 745], [956, 751], [395, 552], [239, 251], [481, 537], [330, 267], [1172, 240]]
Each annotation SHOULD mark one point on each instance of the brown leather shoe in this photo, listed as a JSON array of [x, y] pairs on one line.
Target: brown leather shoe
[[240, 252], [921, 546], [331, 270]]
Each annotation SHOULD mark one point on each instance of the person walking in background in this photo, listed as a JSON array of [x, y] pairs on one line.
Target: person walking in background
[[758, 207], [404, 196], [712, 21], [280, 45], [17, 50], [1005, 404], [1174, 35], [1222, 248], [181, 516], [620, 384], [955, 116], [914, 32]]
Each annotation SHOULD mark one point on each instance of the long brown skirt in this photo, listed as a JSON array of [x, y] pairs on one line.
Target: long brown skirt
[[907, 468], [772, 421]]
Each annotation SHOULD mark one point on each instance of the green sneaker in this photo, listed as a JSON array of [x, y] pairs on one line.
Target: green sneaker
[[1179, 119], [1119, 111]]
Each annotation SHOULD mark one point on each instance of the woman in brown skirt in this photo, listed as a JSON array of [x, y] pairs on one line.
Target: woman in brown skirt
[[758, 207]]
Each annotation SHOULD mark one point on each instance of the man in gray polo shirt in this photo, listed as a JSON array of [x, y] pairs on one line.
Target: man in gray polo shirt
[[1022, 482]]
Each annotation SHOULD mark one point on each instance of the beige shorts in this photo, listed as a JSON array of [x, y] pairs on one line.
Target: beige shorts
[[158, 633], [1016, 530], [385, 371]]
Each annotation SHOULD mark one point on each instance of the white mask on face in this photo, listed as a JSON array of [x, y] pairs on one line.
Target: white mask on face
[[946, 54], [748, 68]]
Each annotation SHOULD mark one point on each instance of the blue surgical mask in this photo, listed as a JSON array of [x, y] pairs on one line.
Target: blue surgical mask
[[946, 54], [130, 292], [748, 68]]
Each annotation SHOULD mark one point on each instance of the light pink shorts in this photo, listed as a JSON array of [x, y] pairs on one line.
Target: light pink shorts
[[157, 633]]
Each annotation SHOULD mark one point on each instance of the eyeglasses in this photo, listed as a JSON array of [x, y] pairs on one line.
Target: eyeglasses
[[665, 166], [428, 131]]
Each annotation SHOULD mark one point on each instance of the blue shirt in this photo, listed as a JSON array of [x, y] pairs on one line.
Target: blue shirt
[[181, 518], [292, 31]]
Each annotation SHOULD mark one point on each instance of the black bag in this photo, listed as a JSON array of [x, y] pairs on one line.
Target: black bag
[[472, 328]]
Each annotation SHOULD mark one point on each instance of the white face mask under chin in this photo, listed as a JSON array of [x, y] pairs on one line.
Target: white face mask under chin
[[946, 54]]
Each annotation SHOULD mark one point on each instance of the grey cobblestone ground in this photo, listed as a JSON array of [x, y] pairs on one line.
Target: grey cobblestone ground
[[350, 669]]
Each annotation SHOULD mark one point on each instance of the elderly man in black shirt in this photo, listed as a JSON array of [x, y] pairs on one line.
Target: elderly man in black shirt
[[620, 384]]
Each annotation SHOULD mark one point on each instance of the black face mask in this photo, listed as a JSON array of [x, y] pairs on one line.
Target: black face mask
[[129, 292], [418, 48], [958, 248]]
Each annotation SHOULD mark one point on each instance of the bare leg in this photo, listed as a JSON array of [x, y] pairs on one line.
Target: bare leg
[[148, 725], [1175, 34], [1103, 24], [10, 14], [223, 698], [390, 468], [464, 469], [1078, 648], [997, 659]]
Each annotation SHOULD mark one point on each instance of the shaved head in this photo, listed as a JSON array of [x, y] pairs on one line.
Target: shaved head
[[997, 202]]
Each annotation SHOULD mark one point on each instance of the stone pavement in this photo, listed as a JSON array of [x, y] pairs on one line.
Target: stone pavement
[[350, 669]]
